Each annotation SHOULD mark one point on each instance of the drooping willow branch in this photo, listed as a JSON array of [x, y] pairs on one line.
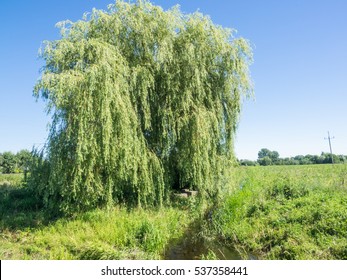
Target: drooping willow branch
[[143, 101]]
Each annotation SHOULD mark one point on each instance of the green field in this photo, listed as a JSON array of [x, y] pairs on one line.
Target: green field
[[287, 212], [27, 232], [276, 212]]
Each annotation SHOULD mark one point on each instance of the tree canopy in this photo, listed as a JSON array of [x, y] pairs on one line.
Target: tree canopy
[[15, 163], [8, 162], [143, 100]]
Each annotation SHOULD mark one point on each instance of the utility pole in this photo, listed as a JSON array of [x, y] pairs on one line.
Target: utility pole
[[331, 152]]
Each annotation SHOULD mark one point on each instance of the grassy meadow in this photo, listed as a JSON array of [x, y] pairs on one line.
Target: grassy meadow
[[287, 212], [275, 212], [27, 232]]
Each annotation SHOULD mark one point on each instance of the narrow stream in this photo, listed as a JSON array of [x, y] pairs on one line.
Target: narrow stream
[[188, 250], [190, 247]]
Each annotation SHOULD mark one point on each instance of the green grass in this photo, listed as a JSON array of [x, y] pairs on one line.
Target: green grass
[[279, 212], [287, 212], [99, 234], [28, 232], [19, 208], [10, 179]]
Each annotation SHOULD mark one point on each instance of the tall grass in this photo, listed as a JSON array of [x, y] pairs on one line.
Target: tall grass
[[279, 212], [117, 233], [287, 213], [28, 232]]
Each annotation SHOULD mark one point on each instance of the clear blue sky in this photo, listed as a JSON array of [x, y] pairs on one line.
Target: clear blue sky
[[299, 70]]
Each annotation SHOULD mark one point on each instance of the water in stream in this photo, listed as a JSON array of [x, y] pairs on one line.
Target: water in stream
[[189, 250]]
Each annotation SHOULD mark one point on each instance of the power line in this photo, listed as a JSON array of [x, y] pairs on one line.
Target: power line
[[331, 151]]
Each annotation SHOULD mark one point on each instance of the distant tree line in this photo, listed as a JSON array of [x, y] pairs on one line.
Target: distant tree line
[[267, 157], [15, 163]]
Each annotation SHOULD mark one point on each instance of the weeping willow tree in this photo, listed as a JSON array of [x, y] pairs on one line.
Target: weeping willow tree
[[142, 101]]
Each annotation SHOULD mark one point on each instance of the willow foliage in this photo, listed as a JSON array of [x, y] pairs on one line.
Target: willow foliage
[[143, 101]]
